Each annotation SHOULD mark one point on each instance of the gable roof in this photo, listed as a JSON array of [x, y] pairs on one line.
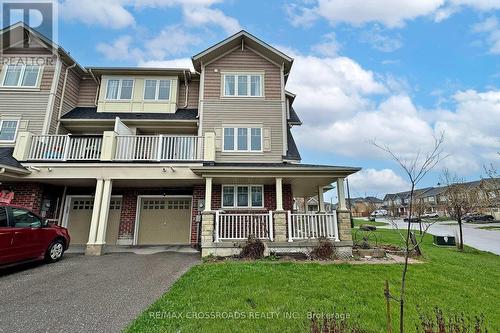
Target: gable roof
[[9, 162], [239, 39], [49, 44]]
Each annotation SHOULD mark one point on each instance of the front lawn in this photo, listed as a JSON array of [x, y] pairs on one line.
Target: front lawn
[[277, 297]]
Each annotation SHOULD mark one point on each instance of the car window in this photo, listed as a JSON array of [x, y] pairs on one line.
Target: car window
[[3, 217], [25, 219]]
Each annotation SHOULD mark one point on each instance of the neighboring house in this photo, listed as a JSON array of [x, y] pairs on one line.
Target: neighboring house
[[364, 206], [434, 199], [143, 156]]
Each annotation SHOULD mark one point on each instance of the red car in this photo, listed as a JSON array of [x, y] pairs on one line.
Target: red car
[[24, 236]]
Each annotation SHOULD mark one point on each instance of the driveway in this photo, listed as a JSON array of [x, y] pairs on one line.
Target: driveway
[[474, 236], [86, 294]]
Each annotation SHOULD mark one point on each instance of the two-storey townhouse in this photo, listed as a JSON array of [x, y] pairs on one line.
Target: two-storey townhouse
[[159, 156]]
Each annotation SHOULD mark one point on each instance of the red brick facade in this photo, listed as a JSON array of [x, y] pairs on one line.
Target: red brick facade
[[27, 195]]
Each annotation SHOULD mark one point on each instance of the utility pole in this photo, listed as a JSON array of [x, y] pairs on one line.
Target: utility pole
[[349, 202]]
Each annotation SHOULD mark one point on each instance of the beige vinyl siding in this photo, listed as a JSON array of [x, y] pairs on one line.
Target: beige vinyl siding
[[69, 99], [87, 93], [29, 106], [267, 114], [193, 95], [245, 60]]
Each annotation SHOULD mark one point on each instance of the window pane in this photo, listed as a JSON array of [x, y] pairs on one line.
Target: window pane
[[12, 75], [150, 89], [256, 196], [112, 90], [242, 196], [164, 92], [242, 139], [229, 85], [3, 217], [25, 219], [242, 85], [228, 196], [255, 85], [8, 130], [30, 76], [126, 89], [228, 138], [256, 135]]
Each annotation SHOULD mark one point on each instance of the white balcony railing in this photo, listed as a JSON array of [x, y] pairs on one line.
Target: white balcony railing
[[158, 148], [312, 226], [65, 147], [241, 226]]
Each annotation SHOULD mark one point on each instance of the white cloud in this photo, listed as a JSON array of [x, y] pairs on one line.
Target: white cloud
[[491, 28], [381, 42], [120, 49], [390, 13], [110, 14], [172, 40], [172, 63], [329, 46], [200, 16], [377, 182]]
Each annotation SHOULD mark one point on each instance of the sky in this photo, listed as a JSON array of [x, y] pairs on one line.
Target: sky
[[394, 72]]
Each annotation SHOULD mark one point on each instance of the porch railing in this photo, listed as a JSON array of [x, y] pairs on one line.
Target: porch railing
[[229, 226], [158, 148], [65, 147], [306, 226]]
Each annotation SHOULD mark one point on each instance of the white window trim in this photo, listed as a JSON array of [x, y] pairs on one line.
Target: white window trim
[[119, 97], [249, 140], [157, 92], [21, 77], [235, 196], [15, 133], [249, 87]]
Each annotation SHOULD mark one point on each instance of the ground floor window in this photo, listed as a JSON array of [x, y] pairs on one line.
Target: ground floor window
[[242, 196]]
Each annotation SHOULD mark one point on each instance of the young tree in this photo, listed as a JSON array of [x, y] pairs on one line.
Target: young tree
[[415, 169], [461, 198]]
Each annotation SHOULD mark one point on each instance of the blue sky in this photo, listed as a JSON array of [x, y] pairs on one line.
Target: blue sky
[[387, 70]]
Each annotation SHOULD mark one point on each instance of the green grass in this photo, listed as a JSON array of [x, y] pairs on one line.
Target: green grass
[[358, 222], [452, 280], [490, 227]]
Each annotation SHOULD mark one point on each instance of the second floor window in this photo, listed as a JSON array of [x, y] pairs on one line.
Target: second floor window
[[242, 139], [158, 90], [21, 76], [119, 89], [8, 129], [243, 85]]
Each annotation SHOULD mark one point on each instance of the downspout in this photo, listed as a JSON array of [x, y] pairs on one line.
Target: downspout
[[187, 90], [98, 86], [61, 102]]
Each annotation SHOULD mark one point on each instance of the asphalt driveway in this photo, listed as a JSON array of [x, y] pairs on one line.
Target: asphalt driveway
[[86, 294]]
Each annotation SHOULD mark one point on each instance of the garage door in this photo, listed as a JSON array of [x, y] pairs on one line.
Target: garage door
[[80, 216], [164, 221]]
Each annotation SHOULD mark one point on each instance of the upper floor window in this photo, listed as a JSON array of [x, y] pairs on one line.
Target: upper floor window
[[21, 76], [119, 89], [242, 139], [8, 129], [157, 90], [243, 85]]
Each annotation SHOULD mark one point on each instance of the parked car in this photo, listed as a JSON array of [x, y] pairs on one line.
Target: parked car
[[379, 212], [430, 215], [25, 236], [412, 219], [478, 217]]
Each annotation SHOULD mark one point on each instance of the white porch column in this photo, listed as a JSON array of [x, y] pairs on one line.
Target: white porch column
[[208, 194], [279, 194], [95, 212], [103, 216], [321, 200], [341, 194]]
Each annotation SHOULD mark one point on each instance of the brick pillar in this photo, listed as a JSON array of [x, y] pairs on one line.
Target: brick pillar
[[344, 225], [127, 218], [280, 227]]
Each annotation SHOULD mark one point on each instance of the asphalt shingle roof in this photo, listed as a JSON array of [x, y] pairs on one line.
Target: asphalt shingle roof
[[91, 113], [6, 158], [292, 152]]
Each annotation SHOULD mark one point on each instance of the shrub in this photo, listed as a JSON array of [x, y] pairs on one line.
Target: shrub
[[324, 250], [438, 323], [253, 248]]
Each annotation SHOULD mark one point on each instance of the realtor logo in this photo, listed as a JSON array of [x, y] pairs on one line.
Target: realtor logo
[[40, 15]]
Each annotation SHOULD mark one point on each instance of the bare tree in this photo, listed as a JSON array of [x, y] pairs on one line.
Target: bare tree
[[461, 198], [415, 170]]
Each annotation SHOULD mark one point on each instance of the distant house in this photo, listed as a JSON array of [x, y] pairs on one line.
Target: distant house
[[364, 206]]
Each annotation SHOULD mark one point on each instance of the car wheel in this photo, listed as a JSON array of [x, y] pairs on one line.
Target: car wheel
[[55, 251]]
